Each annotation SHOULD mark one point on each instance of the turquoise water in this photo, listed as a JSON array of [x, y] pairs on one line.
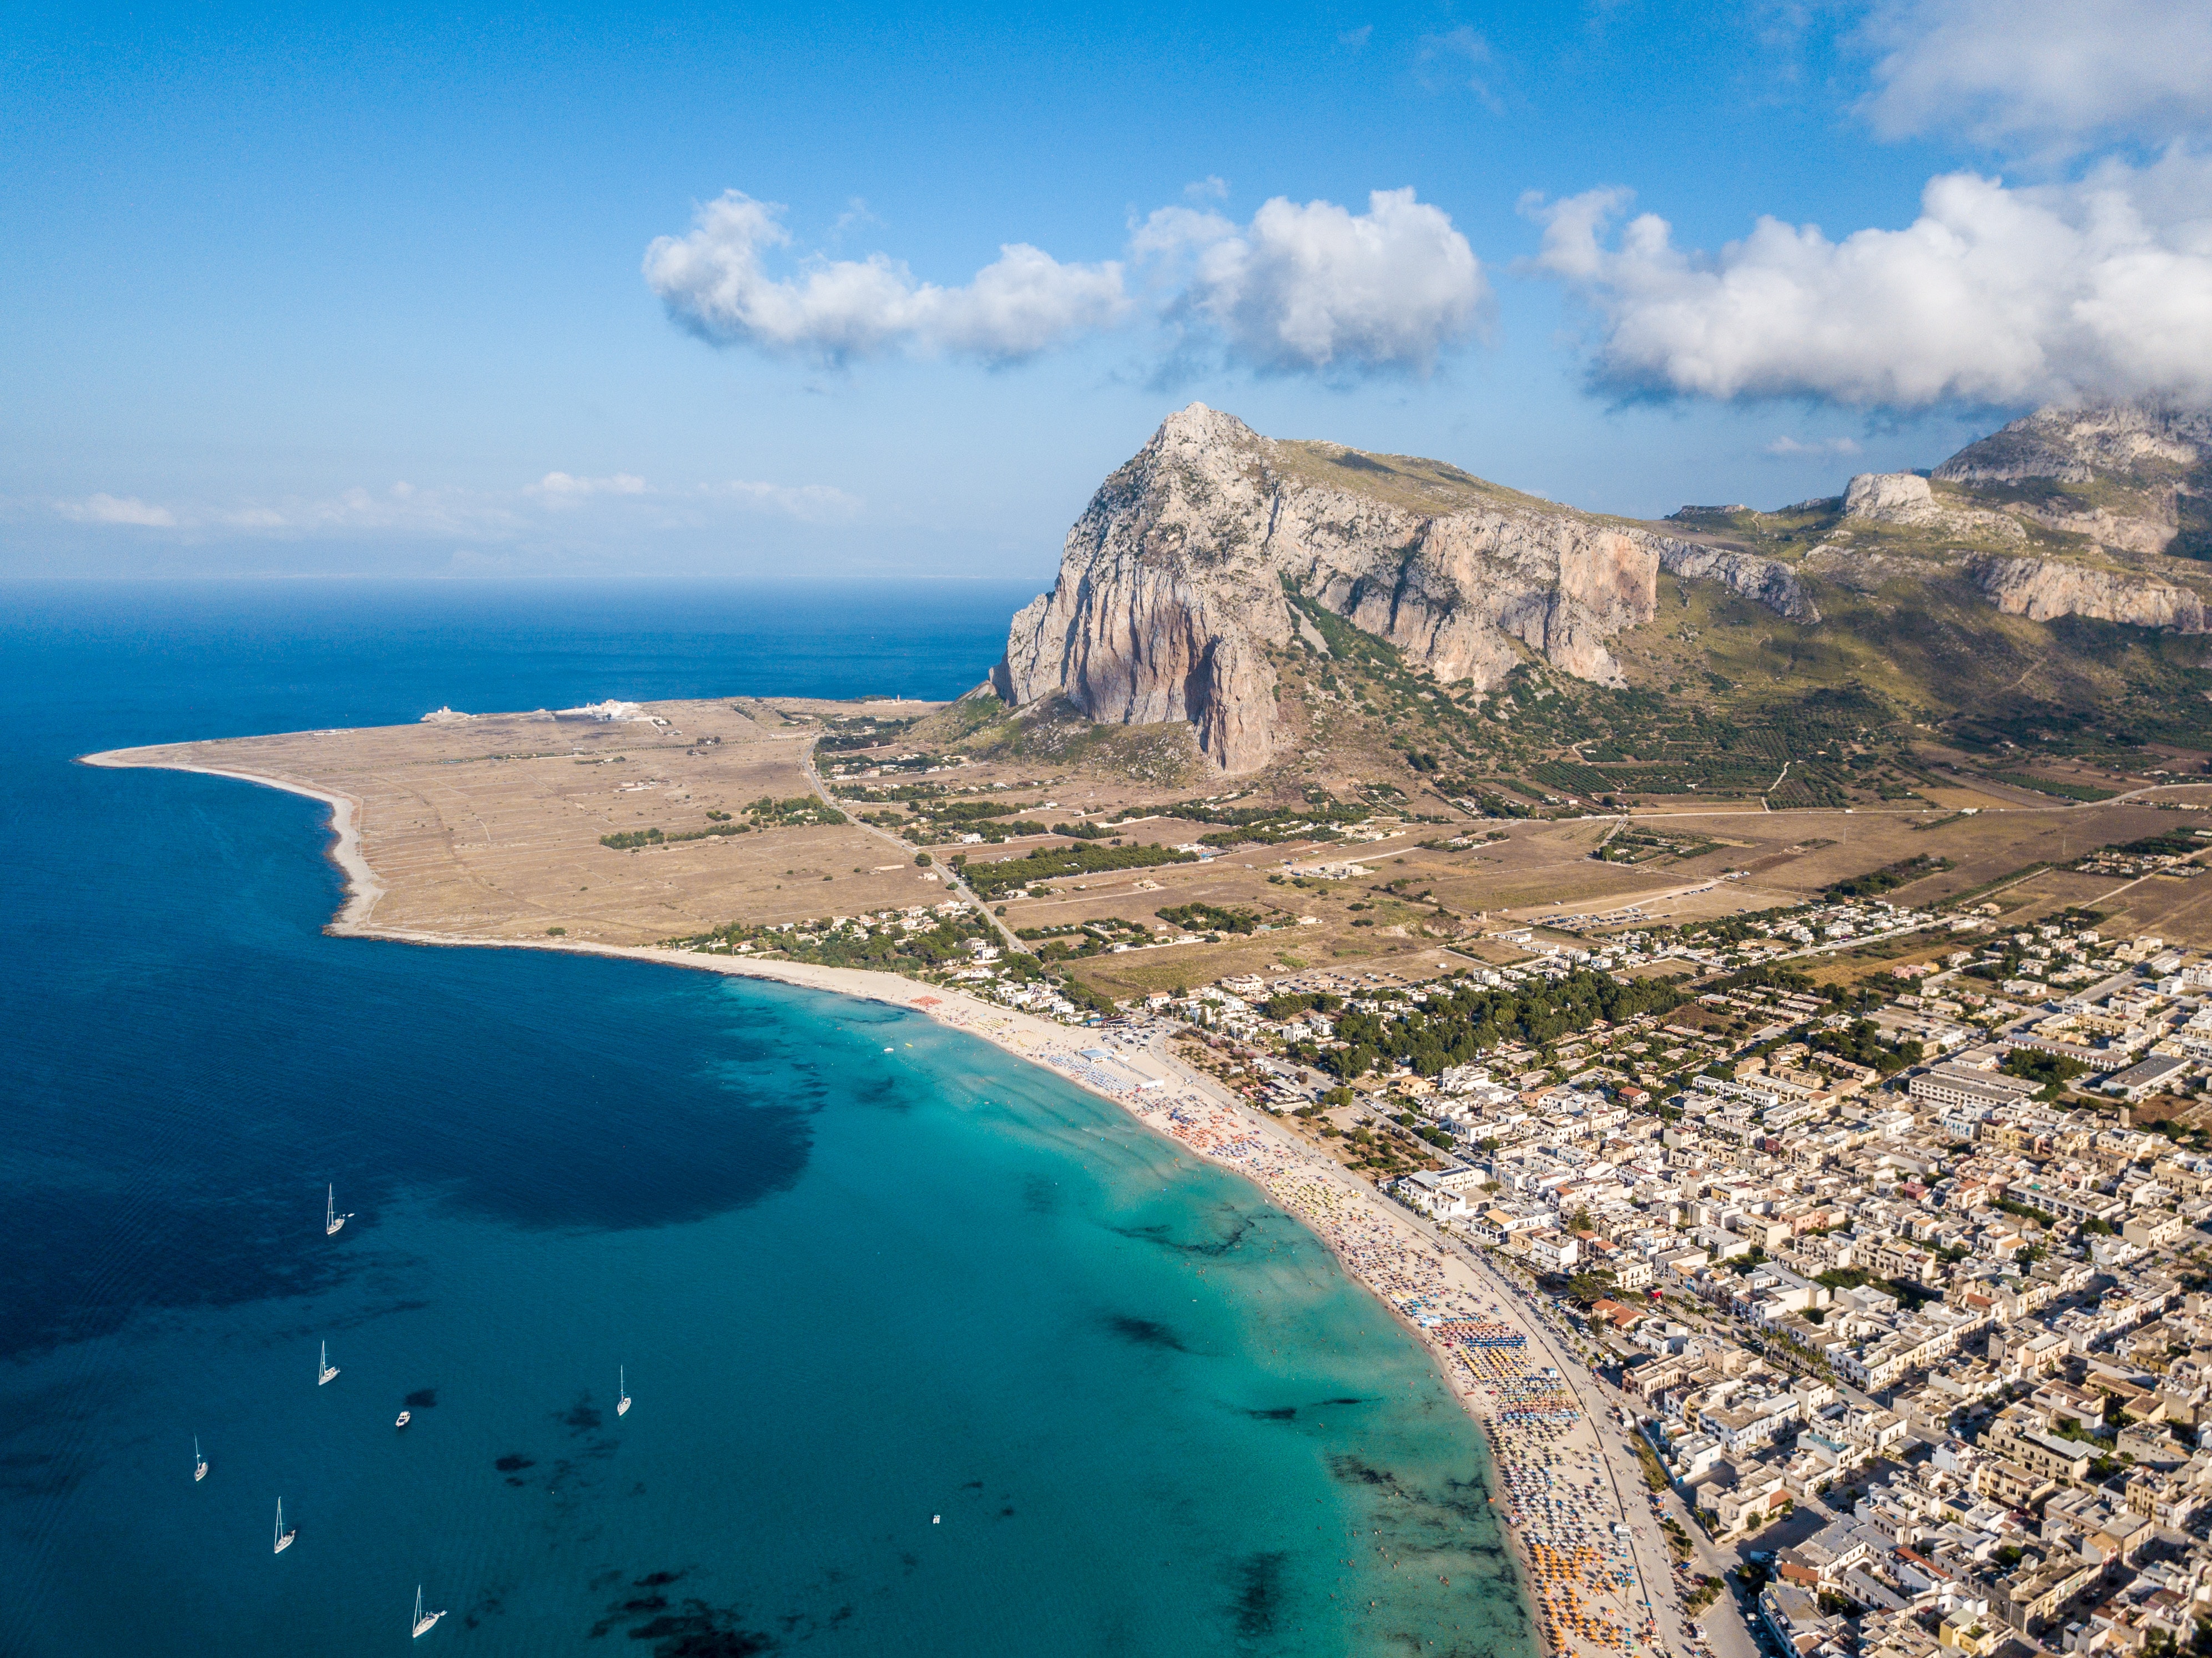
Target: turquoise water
[[932, 1353]]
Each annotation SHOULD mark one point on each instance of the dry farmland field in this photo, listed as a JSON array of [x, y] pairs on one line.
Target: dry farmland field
[[671, 819]]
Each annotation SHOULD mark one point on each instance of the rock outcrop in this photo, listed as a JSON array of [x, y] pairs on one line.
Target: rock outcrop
[[1908, 499], [2044, 589], [1891, 498], [2116, 473], [1172, 585], [1766, 581]]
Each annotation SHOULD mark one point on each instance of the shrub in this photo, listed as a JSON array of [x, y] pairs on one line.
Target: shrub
[[1210, 917]]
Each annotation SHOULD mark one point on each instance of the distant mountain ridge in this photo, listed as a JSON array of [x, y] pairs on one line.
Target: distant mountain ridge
[[1178, 587]]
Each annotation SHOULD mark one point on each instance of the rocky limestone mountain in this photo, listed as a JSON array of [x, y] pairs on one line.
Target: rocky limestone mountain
[[2110, 493], [2081, 446], [2130, 477], [1173, 584], [1215, 550], [2044, 589]]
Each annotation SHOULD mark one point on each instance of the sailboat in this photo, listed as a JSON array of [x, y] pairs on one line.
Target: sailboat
[[199, 1462], [325, 1371], [332, 1219], [284, 1538], [621, 1404], [423, 1620]]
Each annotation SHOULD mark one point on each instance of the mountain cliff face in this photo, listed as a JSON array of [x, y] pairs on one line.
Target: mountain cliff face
[[2044, 589], [1172, 585], [1180, 585]]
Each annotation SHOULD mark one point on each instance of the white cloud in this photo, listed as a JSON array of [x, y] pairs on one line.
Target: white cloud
[[2045, 73], [1311, 287], [1318, 286], [714, 282], [398, 509], [116, 509], [1788, 448], [563, 489], [2102, 286]]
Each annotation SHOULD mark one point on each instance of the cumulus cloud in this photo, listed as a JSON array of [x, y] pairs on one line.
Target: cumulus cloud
[[116, 509], [715, 282], [2042, 74], [1310, 288], [1319, 288], [2100, 286]]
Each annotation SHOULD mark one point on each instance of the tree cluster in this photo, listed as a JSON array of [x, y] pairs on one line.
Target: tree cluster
[[1457, 1027]]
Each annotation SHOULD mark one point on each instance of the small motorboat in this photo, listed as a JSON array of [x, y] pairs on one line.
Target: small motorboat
[[405, 1417]]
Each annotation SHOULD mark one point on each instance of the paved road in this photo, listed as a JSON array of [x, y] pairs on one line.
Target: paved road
[[953, 885]]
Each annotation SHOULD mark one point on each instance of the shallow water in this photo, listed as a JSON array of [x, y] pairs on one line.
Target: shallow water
[[931, 1351]]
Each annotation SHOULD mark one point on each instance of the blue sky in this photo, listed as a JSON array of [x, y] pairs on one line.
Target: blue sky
[[308, 292]]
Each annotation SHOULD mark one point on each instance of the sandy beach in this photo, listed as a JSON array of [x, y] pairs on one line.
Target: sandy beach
[[1596, 1588]]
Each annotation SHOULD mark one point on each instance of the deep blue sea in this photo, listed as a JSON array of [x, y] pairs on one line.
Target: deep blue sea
[[932, 1353]]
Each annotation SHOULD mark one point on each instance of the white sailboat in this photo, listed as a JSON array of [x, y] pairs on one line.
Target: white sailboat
[[199, 1462], [622, 1403], [423, 1620], [332, 1219], [325, 1371], [284, 1538]]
